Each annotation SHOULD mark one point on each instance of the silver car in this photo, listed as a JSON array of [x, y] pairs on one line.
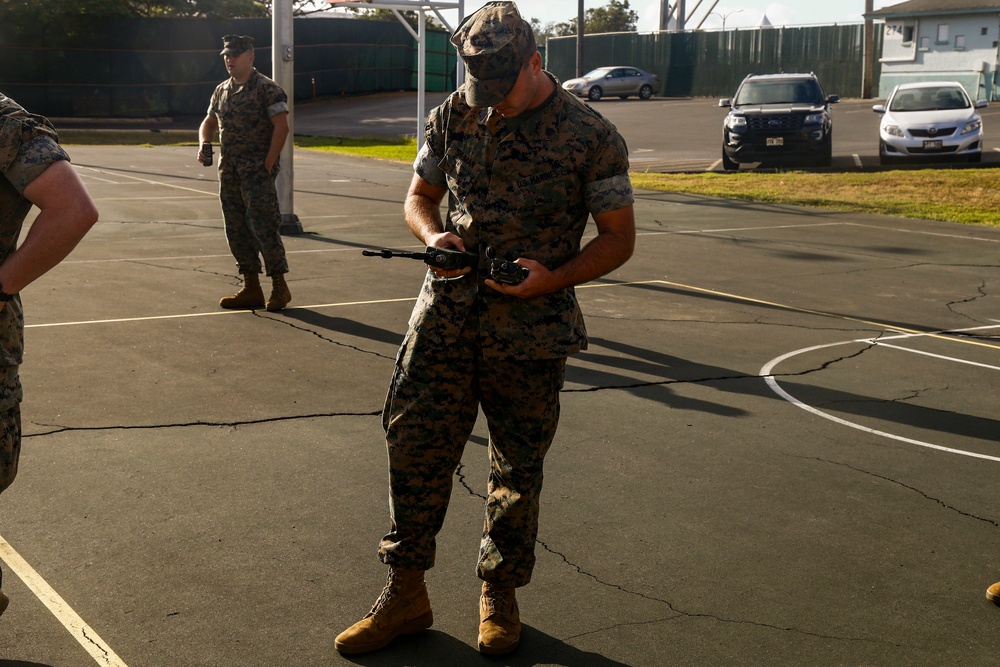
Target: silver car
[[930, 119], [620, 81]]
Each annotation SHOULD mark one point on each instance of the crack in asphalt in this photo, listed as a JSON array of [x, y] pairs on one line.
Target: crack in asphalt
[[721, 378], [678, 612], [317, 334], [929, 497], [58, 428]]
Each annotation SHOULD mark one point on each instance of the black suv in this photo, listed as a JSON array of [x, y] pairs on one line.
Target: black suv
[[778, 119]]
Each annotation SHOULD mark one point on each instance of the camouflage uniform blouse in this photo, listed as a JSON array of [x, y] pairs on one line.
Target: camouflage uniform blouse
[[525, 193], [244, 114], [28, 145]]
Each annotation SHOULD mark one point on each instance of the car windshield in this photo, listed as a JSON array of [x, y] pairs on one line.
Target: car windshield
[[779, 92], [597, 73], [929, 99]]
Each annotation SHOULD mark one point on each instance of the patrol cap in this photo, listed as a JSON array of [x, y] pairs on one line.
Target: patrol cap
[[491, 41], [234, 45]]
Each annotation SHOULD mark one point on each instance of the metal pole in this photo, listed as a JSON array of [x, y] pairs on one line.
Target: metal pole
[[579, 38], [459, 63], [681, 16], [868, 74], [283, 69], [421, 78]]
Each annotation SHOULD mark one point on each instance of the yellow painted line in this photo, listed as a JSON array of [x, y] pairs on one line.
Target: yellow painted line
[[82, 633]]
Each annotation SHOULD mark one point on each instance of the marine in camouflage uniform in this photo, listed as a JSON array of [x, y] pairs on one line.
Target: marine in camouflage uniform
[[29, 148], [522, 180], [245, 113]]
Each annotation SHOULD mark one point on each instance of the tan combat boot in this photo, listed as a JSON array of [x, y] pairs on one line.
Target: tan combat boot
[[499, 621], [402, 609], [280, 294], [250, 296]]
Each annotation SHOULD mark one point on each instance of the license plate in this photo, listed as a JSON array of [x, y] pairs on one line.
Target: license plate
[[932, 145], [780, 141]]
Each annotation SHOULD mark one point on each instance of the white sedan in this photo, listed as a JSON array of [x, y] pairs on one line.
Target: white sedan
[[930, 119]]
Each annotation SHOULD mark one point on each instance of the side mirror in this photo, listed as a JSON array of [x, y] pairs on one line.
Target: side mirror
[[833, 99], [981, 104], [879, 108], [725, 102]]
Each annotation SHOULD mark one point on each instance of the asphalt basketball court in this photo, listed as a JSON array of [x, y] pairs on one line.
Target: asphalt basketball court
[[780, 449]]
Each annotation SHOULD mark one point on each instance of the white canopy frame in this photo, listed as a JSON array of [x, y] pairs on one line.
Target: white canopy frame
[[421, 7]]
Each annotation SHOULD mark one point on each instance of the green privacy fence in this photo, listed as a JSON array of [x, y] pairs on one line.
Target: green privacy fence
[[711, 64], [135, 68]]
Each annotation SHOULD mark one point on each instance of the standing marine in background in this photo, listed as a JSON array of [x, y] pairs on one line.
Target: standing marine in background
[[250, 113]]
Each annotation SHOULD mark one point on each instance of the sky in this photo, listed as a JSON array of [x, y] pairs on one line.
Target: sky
[[737, 13]]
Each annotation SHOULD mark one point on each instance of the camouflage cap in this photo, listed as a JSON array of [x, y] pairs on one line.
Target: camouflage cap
[[234, 45], [491, 41]]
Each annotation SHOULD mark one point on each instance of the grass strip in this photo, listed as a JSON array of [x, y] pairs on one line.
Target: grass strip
[[969, 196]]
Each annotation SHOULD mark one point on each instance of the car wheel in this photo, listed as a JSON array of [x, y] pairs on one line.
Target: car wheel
[[886, 160], [595, 93], [645, 92], [727, 163], [976, 157], [825, 158]]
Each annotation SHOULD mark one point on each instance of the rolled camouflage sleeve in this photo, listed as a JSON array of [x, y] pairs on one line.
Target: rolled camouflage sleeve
[[32, 158], [609, 194], [275, 100], [608, 186], [427, 166]]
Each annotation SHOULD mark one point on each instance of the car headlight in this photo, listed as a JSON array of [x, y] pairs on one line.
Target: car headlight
[[894, 130], [814, 119], [736, 121], [972, 126]]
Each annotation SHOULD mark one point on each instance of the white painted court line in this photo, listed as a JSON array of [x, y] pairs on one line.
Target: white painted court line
[[118, 174], [936, 356], [82, 633], [766, 373], [214, 313]]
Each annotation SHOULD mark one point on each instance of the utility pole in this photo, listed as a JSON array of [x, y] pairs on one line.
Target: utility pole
[[283, 70], [579, 38], [868, 74]]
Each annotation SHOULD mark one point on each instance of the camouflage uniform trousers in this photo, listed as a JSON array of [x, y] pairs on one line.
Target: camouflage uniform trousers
[[10, 444], [253, 221], [431, 409]]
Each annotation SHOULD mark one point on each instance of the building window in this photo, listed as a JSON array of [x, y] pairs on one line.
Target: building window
[[925, 43], [907, 35], [942, 34], [984, 31], [960, 42]]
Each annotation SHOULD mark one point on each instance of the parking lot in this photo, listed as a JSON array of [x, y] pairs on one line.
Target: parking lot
[[779, 449], [663, 135]]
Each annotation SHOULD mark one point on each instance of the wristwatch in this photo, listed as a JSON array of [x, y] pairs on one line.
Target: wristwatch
[[4, 297]]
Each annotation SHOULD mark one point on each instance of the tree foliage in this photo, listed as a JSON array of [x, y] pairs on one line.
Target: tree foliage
[[616, 16], [56, 12]]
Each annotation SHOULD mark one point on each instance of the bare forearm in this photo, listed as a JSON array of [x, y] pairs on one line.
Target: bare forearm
[[602, 255], [66, 213], [423, 217], [278, 138], [207, 130]]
